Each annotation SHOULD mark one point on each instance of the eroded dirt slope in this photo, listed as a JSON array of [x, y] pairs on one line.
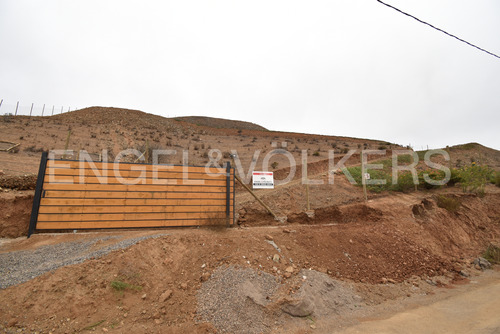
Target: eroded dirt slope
[[387, 240]]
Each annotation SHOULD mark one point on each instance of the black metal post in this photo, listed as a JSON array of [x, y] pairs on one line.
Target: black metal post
[[38, 193]]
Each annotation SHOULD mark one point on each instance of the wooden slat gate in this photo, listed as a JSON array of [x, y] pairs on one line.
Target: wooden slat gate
[[92, 195]]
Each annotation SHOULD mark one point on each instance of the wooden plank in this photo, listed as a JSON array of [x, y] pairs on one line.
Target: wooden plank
[[139, 180], [126, 209], [56, 172], [128, 202], [137, 187], [63, 217], [127, 166], [127, 224], [130, 194]]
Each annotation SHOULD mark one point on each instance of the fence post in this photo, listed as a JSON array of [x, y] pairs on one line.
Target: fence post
[[43, 109], [1, 103], [61, 109], [38, 193], [53, 110], [234, 197], [228, 192], [17, 106], [31, 110]]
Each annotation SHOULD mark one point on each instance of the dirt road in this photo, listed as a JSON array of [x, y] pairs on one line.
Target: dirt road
[[471, 309]]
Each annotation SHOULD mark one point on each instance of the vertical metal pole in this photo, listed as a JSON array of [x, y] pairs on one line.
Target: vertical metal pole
[[234, 197], [304, 178], [43, 109], [61, 109], [17, 106], [228, 192], [31, 110], [38, 194], [1, 103], [67, 144], [69, 108], [363, 177], [53, 110]]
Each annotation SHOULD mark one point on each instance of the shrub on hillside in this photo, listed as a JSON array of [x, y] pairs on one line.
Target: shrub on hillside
[[455, 177], [449, 203], [492, 254], [435, 175], [474, 178], [405, 182]]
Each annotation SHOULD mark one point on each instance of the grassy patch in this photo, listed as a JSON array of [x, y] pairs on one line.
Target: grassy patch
[[492, 254], [405, 180], [120, 286], [421, 155], [449, 203], [405, 159], [93, 326]]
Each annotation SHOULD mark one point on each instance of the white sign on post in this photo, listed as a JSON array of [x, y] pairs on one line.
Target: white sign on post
[[367, 176], [262, 180]]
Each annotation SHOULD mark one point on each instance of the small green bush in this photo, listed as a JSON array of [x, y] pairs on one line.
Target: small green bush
[[436, 175], [492, 254], [474, 178], [449, 203], [497, 179], [316, 154], [455, 177], [405, 182], [121, 286], [374, 175]]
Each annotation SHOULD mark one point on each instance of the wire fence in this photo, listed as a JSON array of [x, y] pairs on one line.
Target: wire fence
[[32, 109]]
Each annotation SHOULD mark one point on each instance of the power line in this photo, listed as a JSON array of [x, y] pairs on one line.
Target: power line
[[441, 30]]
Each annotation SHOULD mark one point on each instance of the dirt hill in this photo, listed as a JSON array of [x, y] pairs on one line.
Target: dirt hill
[[221, 123], [97, 128], [317, 271], [465, 154]]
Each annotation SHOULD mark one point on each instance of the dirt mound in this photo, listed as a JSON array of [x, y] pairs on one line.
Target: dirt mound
[[152, 286], [334, 214], [18, 182], [221, 123], [235, 300], [319, 295], [244, 300], [115, 116], [15, 211]]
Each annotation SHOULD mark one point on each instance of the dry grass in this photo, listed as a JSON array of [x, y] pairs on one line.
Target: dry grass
[[449, 203]]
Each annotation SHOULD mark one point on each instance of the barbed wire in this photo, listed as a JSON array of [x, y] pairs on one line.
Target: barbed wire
[[438, 29]]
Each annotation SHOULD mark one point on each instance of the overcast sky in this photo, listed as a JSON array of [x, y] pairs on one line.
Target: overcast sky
[[338, 67]]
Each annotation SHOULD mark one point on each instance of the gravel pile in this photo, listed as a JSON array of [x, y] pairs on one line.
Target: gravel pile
[[21, 266], [234, 300]]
